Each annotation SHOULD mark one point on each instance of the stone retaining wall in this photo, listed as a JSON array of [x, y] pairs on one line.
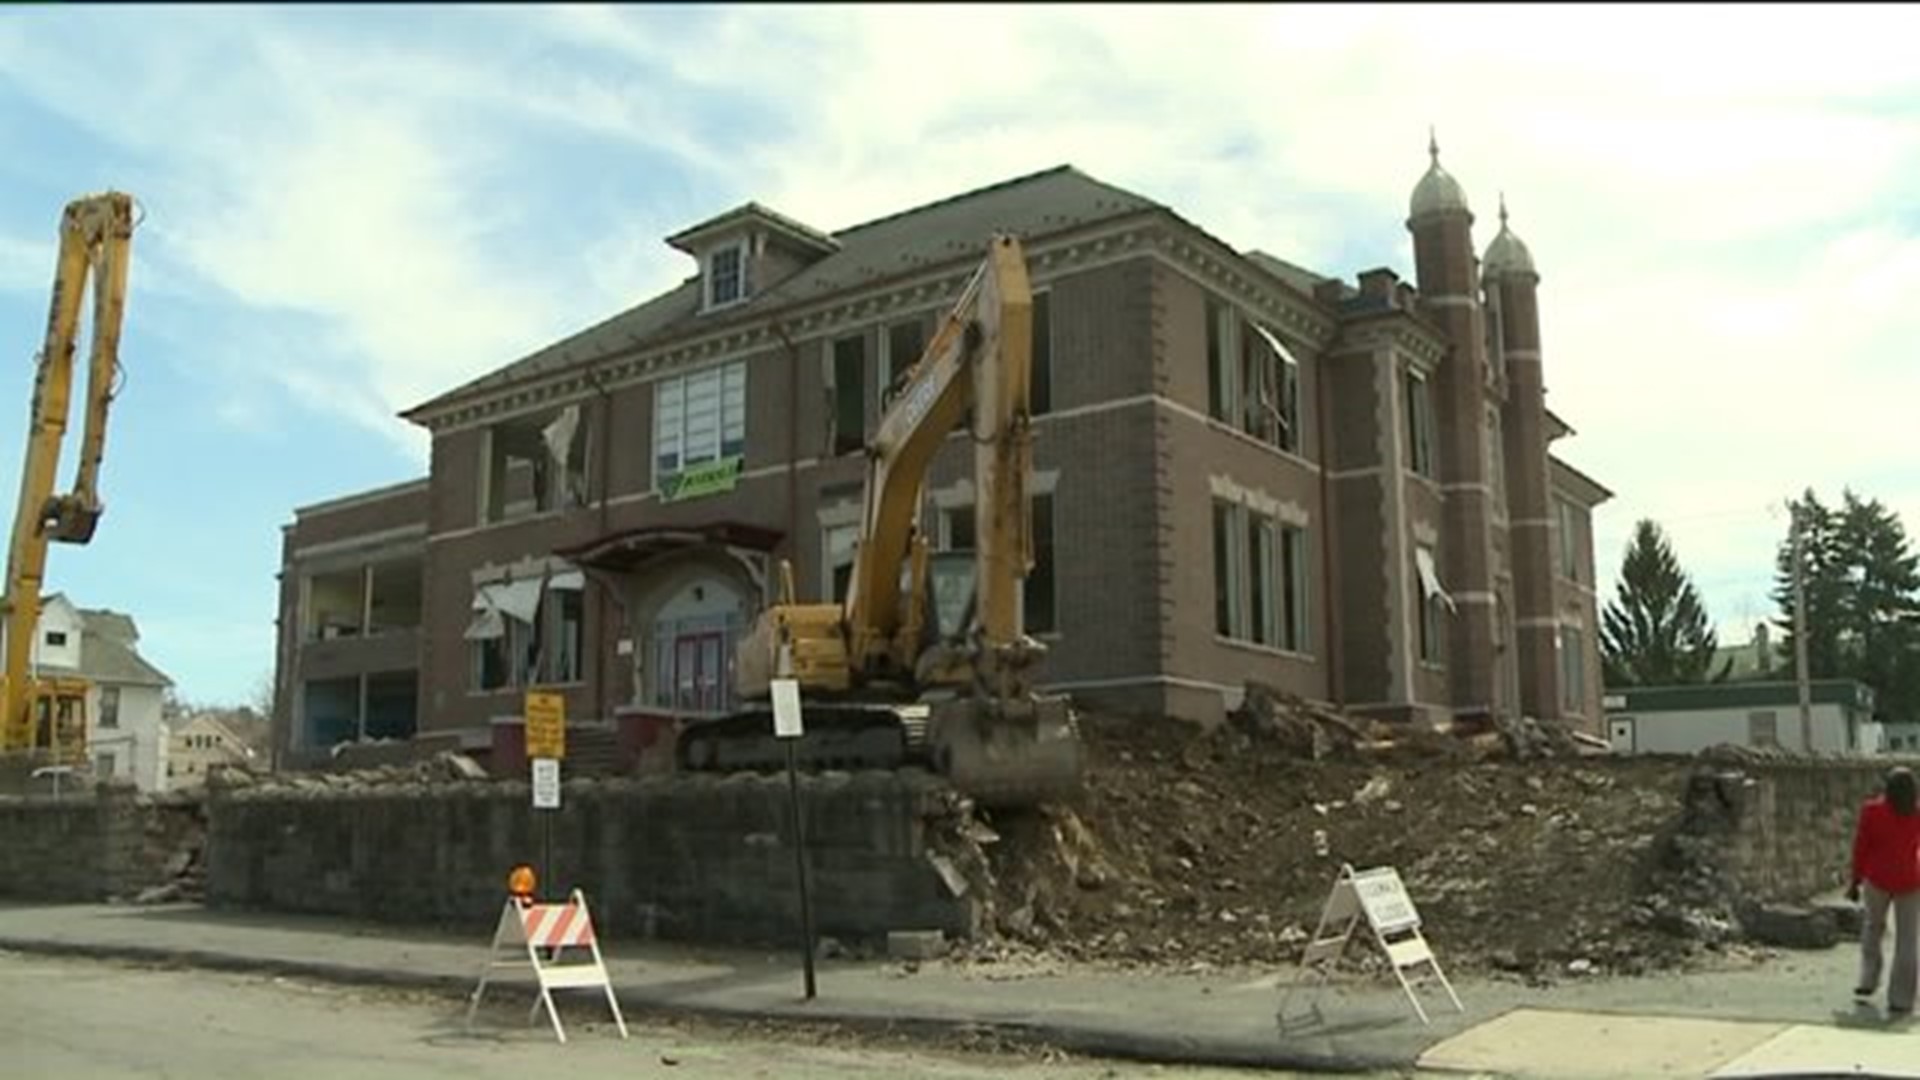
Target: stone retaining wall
[[681, 858]]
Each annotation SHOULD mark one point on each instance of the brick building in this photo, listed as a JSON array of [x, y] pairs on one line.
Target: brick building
[[1245, 470]]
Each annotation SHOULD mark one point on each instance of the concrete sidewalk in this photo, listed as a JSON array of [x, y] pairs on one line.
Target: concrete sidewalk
[[1216, 1018]]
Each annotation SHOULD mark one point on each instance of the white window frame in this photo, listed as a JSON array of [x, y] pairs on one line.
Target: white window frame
[[727, 435], [710, 278]]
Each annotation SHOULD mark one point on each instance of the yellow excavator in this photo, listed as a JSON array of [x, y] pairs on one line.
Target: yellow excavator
[[926, 660], [46, 717]]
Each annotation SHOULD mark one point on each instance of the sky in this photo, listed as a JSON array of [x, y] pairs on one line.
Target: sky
[[350, 209]]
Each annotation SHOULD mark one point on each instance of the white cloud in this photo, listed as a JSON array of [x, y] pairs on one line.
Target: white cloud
[[1715, 203]]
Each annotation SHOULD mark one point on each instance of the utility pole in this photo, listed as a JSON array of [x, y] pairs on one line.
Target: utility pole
[[1800, 630]]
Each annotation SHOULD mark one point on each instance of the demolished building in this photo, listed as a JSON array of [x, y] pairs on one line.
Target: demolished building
[[1245, 471]]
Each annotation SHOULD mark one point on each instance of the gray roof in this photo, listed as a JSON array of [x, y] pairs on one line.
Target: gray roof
[[1297, 276], [111, 624], [938, 233], [108, 659]]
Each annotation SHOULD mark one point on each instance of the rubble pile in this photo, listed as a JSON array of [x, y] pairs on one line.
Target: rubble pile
[[446, 767], [173, 845], [1218, 848]]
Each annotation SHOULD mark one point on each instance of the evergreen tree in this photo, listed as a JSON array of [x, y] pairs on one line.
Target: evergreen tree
[[1862, 583], [1655, 632], [1825, 585]]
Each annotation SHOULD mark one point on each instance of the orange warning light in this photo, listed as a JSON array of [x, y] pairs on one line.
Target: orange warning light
[[520, 882]]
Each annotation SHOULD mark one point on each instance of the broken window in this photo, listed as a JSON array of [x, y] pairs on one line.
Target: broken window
[[1039, 600], [527, 630], [1253, 379], [849, 394], [1433, 600], [1763, 729], [902, 346], [109, 706], [335, 604], [534, 464], [1419, 410], [699, 417], [396, 599]]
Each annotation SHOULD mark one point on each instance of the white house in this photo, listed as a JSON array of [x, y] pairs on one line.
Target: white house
[[124, 725], [1762, 715]]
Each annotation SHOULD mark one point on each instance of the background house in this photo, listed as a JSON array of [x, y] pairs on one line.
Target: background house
[[201, 740], [124, 705]]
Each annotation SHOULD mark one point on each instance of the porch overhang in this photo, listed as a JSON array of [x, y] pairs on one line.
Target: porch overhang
[[623, 551]]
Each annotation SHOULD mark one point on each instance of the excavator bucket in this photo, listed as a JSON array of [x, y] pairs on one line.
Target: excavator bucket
[[1008, 754]]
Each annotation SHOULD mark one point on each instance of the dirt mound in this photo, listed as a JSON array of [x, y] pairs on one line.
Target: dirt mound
[[1219, 848]]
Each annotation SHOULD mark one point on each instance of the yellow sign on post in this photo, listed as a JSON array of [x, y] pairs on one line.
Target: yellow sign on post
[[546, 725]]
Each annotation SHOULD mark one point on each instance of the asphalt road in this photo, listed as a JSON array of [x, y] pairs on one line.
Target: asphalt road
[[85, 1018]]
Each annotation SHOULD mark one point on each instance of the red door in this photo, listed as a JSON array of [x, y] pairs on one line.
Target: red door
[[699, 670]]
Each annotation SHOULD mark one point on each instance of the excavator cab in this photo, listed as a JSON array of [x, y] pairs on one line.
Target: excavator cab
[[60, 719]]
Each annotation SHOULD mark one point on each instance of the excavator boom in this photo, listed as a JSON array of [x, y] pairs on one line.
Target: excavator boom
[[932, 652], [95, 244]]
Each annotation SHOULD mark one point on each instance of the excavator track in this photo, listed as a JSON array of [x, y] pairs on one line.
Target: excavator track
[[839, 735], [997, 756]]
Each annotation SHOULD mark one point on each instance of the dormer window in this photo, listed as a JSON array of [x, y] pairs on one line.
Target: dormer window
[[727, 276]]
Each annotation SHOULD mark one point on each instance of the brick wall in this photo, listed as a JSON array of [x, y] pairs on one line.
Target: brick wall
[[680, 858]]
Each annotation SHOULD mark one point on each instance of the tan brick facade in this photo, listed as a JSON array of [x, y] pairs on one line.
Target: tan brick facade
[[1226, 450]]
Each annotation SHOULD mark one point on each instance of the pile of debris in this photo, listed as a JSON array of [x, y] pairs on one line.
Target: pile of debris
[[1304, 730], [446, 767], [173, 847], [1218, 848]]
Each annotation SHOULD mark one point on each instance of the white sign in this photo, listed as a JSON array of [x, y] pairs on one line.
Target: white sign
[[1384, 898], [546, 783], [786, 708], [1379, 897]]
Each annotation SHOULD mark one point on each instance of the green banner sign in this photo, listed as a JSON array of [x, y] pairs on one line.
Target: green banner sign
[[706, 478]]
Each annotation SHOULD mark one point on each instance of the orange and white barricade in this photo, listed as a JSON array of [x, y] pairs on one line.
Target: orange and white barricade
[[527, 931]]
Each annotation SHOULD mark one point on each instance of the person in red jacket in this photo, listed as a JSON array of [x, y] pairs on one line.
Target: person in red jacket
[[1886, 866]]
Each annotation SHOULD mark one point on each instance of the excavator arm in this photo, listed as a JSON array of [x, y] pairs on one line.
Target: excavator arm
[[980, 356], [884, 690], [95, 242]]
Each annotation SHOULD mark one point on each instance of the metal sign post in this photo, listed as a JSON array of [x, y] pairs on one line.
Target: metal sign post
[[788, 728], [546, 727]]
